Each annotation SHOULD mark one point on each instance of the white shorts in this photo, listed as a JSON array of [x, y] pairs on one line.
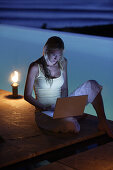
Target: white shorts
[[90, 88]]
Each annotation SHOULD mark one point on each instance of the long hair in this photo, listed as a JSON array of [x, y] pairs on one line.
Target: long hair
[[51, 44]]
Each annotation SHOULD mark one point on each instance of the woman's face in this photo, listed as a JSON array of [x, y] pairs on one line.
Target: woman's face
[[54, 55]]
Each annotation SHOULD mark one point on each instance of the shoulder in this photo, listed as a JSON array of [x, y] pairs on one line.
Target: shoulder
[[33, 68], [35, 65]]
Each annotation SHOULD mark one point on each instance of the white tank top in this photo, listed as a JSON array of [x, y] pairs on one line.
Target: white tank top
[[45, 92]]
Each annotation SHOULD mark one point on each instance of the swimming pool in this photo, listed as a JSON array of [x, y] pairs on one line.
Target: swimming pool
[[89, 57]]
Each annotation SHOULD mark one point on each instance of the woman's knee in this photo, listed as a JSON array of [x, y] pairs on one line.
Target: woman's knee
[[93, 89], [92, 82]]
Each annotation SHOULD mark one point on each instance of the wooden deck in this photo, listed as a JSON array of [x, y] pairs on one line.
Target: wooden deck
[[100, 158], [21, 139]]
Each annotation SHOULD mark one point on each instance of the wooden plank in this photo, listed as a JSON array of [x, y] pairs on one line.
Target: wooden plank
[[55, 166], [100, 158], [17, 117], [24, 140]]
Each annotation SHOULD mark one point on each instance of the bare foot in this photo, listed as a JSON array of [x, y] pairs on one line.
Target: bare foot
[[104, 126]]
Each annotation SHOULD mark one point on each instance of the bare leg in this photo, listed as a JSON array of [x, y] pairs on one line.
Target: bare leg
[[99, 108]]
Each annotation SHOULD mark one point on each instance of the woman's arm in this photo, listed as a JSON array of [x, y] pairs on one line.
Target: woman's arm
[[64, 89], [32, 72]]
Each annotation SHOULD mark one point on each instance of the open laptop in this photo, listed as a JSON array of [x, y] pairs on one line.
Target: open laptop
[[68, 106]]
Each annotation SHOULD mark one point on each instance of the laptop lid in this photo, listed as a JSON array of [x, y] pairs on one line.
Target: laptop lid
[[70, 106]]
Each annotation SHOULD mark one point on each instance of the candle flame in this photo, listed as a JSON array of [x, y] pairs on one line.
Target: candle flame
[[14, 77]]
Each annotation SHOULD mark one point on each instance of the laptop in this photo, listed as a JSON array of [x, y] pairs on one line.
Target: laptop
[[68, 106]]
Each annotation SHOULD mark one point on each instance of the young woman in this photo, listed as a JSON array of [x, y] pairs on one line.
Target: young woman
[[48, 77]]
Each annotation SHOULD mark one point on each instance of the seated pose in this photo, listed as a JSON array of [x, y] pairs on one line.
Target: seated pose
[[48, 77]]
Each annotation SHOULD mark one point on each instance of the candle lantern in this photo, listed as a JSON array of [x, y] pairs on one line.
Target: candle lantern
[[14, 77]]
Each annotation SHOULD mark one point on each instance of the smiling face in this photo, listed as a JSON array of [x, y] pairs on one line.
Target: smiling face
[[54, 55]]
